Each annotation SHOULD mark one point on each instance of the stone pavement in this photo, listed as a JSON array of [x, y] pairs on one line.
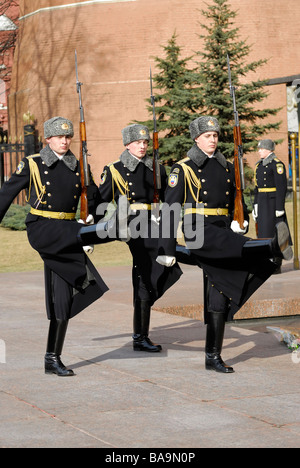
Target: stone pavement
[[125, 399]]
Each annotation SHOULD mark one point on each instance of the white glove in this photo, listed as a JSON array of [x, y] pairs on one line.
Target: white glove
[[166, 260], [89, 220], [279, 213], [235, 227], [255, 212], [88, 249], [155, 219]]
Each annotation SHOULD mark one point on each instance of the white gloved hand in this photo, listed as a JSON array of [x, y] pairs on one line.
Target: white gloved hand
[[279, 213], [166, 260], [88, 249], [235, 227], [155, 219], [255, 212], [89, 220]]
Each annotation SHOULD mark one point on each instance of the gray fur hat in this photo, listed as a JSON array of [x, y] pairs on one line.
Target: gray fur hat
[[266, 144], [58, 126], [135, 132], [203, 124]]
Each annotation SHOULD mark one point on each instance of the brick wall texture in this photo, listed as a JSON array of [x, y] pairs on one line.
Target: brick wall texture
[[116, 42]]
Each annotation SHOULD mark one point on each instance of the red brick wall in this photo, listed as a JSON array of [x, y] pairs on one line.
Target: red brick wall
[[116, 42], [6, 60]]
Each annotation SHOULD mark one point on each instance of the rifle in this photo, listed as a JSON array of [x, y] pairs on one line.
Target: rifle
[[156, 168], [84, 170], [238, 158]]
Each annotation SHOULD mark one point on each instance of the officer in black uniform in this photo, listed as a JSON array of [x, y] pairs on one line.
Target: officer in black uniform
[[234, 266], [131, 179], [52, 182], [270, 191]]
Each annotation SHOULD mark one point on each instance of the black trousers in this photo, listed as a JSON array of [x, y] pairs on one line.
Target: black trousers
[[141, 292], [216, 301]]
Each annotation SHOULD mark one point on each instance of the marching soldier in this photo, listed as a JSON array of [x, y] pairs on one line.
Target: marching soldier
[[52, 182], [270, 190], [234, 266], [131, 178]]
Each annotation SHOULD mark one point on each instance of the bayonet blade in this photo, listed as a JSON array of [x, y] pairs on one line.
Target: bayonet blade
[[152, 101], [78, 85], [229, 77]]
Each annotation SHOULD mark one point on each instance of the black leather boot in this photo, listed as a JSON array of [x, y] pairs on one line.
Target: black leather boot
[[99, 233], [141, 323], [214, 342], [56, 338], [183, 255], [278, 246], [116, 228]]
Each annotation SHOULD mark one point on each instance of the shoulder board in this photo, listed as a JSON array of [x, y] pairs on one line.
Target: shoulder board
[[112, 163], [277, 160], [33, 156], [183, 161]]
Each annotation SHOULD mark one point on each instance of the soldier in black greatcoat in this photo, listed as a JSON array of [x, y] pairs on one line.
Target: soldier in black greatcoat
[[234, 266], [131, 178], [270, 190], [52, 182]]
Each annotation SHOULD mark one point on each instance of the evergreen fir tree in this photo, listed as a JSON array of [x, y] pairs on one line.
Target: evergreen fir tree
[[175, 102], [222, 38], [199, 85]]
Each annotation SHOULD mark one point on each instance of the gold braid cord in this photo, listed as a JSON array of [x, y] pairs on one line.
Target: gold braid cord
[[35, 177]]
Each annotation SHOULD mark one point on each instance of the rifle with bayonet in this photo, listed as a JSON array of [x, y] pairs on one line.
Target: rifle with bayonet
[[238, 158], [84, 169], [156, 168]]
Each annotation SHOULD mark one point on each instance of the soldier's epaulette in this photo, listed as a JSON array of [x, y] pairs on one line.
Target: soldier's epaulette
[[277, 160], [33, 155], [112, 163], [183, 161]]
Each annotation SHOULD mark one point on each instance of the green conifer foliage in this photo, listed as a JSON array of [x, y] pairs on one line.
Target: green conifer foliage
[[222, 38], [186, 88], [176, 100]]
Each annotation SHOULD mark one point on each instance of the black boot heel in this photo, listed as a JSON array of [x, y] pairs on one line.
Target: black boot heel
[[141, 323], [56, 338], [215, 363], [143, 343], [53, 365], [278, 246], [214, 342]]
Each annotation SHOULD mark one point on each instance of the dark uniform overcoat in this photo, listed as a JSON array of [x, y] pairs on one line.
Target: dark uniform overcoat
[[270, 193], [54, 188], [208, 183], [134, 179]]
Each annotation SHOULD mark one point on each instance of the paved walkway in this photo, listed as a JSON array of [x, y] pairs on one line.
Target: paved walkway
[[123, 399]]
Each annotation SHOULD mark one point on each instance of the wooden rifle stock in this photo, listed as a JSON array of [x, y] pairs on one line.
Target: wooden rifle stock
[[238, 203], [84, 206], [83, 153], [238, 158]]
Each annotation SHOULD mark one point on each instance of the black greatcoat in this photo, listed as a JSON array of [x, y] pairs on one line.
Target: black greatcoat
[[56, 239], [138, 186], [220, 256], [269, 194]]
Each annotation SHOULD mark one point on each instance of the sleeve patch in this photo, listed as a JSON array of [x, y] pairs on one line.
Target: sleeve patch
[[280, 169], [173, 180], [20, 168], [103, 177]]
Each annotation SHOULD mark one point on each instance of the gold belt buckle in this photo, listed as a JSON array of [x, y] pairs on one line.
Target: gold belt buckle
[[62, 215], [219, 211]]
